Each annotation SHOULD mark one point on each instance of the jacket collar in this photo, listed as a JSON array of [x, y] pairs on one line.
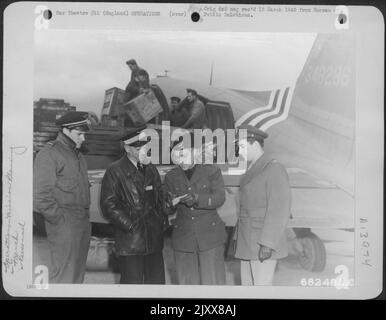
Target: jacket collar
[[131, 168], [196, 174], [66, 141], [125, 161], [255, 169]]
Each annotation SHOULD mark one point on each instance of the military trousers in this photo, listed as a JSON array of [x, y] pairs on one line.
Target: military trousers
[[201, 267], [69, 242], [142, 269], [256, 273]]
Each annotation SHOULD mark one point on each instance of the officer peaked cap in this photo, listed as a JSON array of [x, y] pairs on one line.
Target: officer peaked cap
[[75, 120], [131, 137], [254, 133]]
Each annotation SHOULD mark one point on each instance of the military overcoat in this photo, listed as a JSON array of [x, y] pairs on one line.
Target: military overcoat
[[265, 202]]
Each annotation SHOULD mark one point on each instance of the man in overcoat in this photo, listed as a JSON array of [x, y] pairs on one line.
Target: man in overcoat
[[265, 202], [61, 193], [199, 234]]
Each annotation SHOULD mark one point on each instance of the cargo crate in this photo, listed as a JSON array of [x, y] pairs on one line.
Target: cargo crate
[[142, 108]]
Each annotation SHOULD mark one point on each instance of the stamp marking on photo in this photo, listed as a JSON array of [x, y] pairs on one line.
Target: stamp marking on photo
[[179, 145]]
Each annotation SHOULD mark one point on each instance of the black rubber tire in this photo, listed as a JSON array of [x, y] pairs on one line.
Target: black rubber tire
[[39, 227], [313, 257]]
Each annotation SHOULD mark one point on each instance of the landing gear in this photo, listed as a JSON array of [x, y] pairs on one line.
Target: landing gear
[[310, 250], [39, 227]]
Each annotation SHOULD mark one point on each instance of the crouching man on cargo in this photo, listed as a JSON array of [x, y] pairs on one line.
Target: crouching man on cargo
[[62, 195], [132, 199], [199, 233]]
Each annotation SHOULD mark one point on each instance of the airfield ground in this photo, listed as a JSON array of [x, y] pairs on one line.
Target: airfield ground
[[339, 246]]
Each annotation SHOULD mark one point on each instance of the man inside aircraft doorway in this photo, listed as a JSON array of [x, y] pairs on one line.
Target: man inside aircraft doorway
[[197, 112], [178, 114]]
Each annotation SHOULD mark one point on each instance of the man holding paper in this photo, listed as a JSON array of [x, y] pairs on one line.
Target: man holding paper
[[199, 233]]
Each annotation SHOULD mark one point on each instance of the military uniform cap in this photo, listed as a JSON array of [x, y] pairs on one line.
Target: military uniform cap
[[131, 137], [178, 99], [254, 133], [75, 120], [131, 61], [192, 91]]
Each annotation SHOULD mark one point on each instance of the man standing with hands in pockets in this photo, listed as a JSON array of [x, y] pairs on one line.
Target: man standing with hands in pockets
[[132, 200], [62, 196]]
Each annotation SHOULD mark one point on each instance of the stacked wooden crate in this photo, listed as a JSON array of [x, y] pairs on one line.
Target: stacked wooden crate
[[102, 144], [103, 140], [46, 111]]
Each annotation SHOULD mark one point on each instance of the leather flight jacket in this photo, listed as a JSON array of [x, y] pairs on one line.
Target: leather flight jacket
[[133, 202]]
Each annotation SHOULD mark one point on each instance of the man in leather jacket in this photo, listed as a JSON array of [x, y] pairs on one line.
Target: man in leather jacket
[[132, 200]]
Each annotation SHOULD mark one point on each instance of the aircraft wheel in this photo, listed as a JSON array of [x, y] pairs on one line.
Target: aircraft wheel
[[312, 257], [39, 227]]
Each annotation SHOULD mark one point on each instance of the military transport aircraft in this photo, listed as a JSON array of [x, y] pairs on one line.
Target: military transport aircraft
[[311, 127]]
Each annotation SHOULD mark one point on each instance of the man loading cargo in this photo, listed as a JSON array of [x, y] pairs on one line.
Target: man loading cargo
[[139, 84], [197, 113], [61, 194], [139, 80], [143, 81]]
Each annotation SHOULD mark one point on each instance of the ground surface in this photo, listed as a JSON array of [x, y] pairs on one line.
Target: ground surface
[[339, 246]]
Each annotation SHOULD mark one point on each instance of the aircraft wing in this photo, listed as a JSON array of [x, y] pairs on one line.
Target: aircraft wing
[[318, 203]]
